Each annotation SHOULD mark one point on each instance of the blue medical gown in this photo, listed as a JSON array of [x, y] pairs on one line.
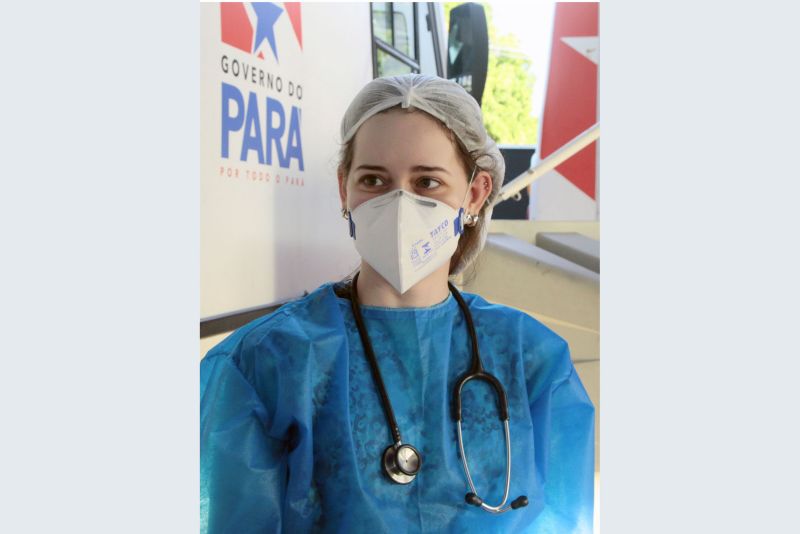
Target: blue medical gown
[[293, 429]]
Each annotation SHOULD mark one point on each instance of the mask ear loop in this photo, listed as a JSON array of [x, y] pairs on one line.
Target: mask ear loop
[[459, 222], [346, 214]]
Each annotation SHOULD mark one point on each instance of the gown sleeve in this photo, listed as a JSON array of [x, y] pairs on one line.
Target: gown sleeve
[[563, 420], [243, 470]]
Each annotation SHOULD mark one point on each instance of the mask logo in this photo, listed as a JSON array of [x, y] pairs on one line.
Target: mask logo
[[417, 260], [439, 228]]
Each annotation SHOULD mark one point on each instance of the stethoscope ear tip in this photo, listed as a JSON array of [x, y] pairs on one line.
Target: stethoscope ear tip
[[473, 499], [519, 502]]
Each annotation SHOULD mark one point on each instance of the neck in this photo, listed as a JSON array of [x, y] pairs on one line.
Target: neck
[[374, 290]]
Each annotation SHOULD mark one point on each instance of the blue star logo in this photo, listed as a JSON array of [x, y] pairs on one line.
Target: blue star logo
[[267, 15]]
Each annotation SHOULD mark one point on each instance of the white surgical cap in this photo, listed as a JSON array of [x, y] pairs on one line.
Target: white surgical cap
[[446, 101]]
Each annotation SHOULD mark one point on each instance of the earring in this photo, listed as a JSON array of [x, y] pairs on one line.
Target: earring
[[470, 219], [344, 213]]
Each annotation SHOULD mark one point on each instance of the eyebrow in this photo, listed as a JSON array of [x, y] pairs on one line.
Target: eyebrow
[[416, 168]]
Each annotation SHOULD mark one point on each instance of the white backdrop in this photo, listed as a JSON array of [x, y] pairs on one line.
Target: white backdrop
[[268, 233]]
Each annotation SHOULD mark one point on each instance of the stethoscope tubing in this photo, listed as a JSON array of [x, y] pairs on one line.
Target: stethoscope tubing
[[475, 372], [494, 509], [373, 364]]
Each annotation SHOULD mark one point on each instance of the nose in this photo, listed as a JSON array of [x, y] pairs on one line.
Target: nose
[[422, 201]]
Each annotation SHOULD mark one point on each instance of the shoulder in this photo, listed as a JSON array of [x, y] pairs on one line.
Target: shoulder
[[519, 322], [545, 354], [294, 324]]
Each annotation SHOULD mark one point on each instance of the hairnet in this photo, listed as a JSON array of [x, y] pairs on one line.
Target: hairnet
[[446, 101]]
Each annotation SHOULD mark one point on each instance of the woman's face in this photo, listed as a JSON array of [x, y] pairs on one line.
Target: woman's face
[[411, 151]]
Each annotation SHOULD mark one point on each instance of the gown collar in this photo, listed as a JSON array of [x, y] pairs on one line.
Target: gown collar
[[447, 305]]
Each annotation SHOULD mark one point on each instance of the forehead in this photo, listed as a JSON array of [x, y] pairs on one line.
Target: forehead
[[404, 138]]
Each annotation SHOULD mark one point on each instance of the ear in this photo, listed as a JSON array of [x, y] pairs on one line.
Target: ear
[[479, 191], [342, 187]]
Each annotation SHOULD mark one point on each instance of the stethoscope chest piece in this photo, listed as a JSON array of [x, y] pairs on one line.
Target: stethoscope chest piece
[[401, 463]]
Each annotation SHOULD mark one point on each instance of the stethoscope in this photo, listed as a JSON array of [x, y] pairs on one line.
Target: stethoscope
[[401, 461]]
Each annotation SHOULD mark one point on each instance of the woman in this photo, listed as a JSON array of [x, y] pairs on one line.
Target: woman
[[336, 412]]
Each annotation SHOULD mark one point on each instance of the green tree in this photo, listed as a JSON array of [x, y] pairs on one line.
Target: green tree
[[506, 99]]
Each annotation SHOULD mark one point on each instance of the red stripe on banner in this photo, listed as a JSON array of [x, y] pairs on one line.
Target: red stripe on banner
[[571, 101]]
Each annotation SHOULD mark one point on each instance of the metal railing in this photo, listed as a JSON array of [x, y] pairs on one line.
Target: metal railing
[[549, 163]]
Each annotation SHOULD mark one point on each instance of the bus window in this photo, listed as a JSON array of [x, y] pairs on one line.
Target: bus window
[[394, 38], [404, 28]]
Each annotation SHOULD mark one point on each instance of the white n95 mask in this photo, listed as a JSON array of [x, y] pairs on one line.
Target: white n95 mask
[[405, 237]]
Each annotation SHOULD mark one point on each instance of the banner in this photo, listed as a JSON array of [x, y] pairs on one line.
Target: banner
[[569, 191], [275, 82]]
